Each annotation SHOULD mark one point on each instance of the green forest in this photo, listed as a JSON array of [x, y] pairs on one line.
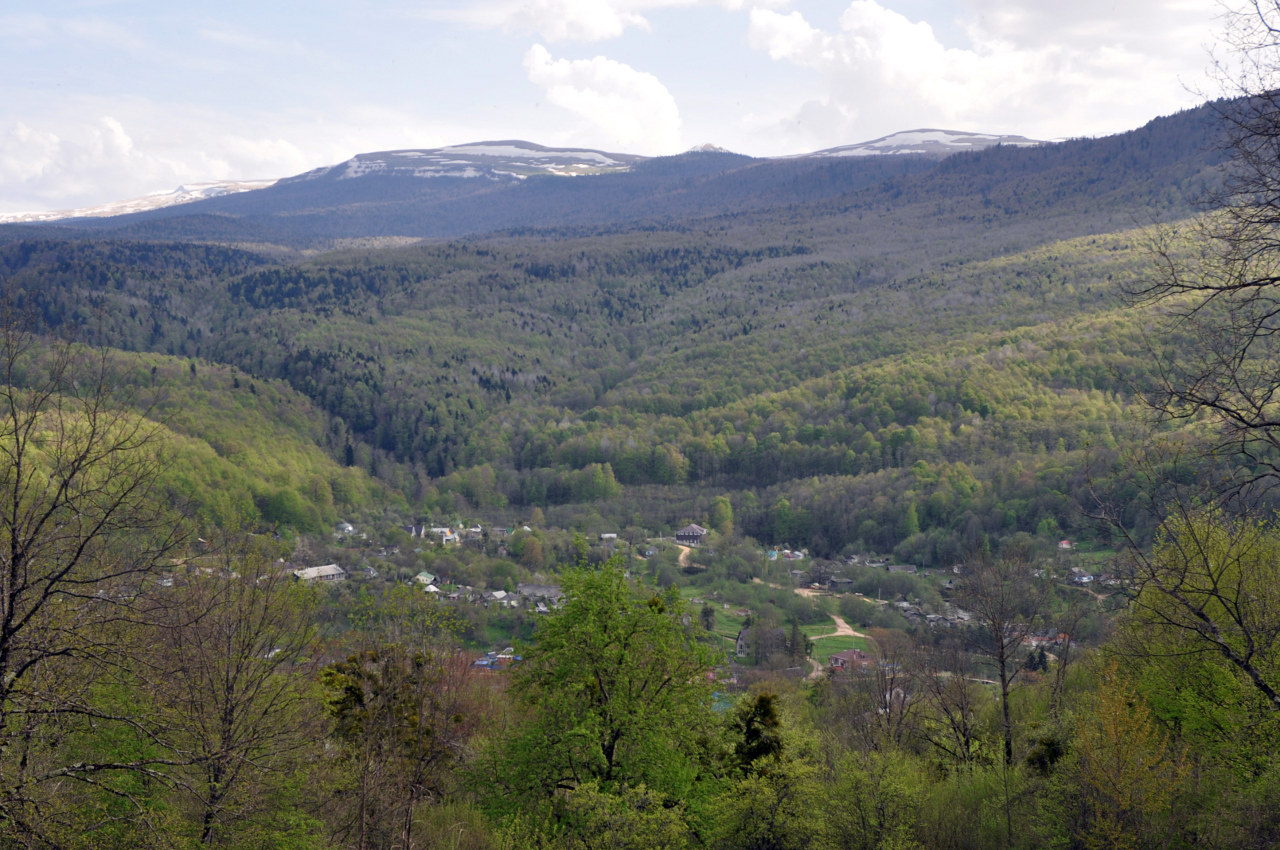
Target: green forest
[[925, 505]]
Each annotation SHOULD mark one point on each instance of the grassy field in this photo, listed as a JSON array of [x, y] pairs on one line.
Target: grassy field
[[728, 624], [825, 647]]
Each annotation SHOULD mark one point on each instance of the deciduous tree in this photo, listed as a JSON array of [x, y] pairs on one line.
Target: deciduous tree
[[1125, 774], [227, 678], [403, 707], [1217, 278], [81, 534], [617, 695]]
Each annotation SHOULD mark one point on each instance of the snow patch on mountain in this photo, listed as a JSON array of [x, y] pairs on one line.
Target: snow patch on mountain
[[511, 161], [927, 141], [504, 161], [520, 150], [156, 200]]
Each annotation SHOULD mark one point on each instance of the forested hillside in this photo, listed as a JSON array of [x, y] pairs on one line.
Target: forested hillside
[[833, 347], [803, 505]]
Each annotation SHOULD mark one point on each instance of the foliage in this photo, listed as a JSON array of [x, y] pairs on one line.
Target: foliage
[[403, 707], [616, 693], [775, 799], [81, 542], [804, 370], [1208, 591], [1123, 776], [825, 388]]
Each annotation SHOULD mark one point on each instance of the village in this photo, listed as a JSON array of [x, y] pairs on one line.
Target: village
[[870, 590]]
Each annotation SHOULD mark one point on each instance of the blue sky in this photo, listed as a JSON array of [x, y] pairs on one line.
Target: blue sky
[[107, 100]]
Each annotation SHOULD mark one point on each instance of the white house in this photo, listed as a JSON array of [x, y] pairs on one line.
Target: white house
[[328, 572]]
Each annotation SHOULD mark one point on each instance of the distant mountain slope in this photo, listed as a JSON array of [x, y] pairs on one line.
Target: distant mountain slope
[[184, 194], [503, 161], [488, 187], [929, 142]]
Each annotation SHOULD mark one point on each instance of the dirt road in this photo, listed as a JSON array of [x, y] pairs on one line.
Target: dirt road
[[842, 628]]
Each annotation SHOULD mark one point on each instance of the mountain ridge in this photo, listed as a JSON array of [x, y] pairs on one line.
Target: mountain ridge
[[1160, 165], [509, 160]]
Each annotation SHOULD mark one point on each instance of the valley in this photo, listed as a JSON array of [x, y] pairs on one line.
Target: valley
[[429, 422]]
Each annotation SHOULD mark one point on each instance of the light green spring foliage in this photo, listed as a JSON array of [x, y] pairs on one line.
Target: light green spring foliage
[[1205, 630], [777, 796], [235, 449], [617, 696], [241, 449]]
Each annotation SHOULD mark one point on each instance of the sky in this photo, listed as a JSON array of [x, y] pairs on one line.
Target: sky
[[106, 100]]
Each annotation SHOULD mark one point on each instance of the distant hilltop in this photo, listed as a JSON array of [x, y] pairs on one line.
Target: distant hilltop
[[509, 161], [184, 194], [930, 142]]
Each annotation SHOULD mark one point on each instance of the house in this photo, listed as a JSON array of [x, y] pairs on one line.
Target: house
[[542, 596], [1065, 544], [424, 577], [1048, 637], [691, 535], [344, 528], [848, 659], [910, 569], [501, 597], [328, 572], [497, 659], [445, 534]]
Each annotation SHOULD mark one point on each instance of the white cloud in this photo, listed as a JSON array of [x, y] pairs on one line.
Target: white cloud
[[25, 153], [578, 20], [62, 162], [1089, 23], [57, 158], [1038, 69], [629, 109], [787, 37], [46, 168]]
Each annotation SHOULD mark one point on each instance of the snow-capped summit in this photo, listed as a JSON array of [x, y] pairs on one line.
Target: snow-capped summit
[[708, 148], [928, 141], [500, 160]]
